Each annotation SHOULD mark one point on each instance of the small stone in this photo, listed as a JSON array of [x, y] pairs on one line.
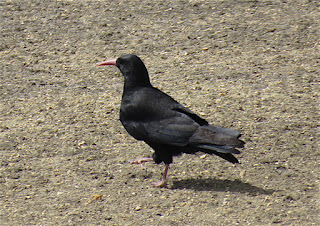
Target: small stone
[[203, 156]]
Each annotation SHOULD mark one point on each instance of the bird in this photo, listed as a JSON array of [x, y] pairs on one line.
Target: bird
[[169, 128]]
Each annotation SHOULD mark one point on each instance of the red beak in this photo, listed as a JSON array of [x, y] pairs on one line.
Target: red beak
[[108, 62]]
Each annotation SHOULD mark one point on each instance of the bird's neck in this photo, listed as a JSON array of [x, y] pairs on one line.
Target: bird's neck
[[136, 81]]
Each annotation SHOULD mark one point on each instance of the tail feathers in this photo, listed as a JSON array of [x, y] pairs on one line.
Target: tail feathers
[[227, 131], [218, 148], [217, 140], [217, 137], [227, 156]]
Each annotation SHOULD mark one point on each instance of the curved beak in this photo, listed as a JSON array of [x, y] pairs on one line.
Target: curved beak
[[108, 62]]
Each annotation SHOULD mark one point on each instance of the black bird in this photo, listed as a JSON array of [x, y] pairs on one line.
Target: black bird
[[169, 128]]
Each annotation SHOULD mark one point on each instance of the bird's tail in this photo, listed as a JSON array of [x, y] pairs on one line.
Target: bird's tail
[[217, 140]]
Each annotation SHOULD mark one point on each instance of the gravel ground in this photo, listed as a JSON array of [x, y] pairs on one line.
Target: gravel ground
[[251, 65]]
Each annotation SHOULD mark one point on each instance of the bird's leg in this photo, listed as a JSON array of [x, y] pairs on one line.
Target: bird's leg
[[163, 182], [141, 161]]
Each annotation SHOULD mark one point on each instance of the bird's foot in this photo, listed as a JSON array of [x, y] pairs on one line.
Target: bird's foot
[[141, 161], [160, 184], [163, 182]]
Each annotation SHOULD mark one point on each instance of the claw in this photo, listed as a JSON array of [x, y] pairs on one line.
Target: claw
[[163, 182], [160, 184], [141, 161]]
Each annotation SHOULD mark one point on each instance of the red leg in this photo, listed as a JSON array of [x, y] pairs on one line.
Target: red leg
[[163, 182], [141, 161]]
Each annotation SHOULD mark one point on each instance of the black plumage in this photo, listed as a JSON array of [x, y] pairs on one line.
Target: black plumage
[[169, 128]]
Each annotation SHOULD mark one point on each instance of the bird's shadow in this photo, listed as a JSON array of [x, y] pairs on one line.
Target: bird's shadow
[[210, 184]]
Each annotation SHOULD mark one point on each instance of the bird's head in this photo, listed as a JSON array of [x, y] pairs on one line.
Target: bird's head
[[132, 68]]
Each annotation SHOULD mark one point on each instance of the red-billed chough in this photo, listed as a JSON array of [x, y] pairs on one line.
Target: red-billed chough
[[169, 128]]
